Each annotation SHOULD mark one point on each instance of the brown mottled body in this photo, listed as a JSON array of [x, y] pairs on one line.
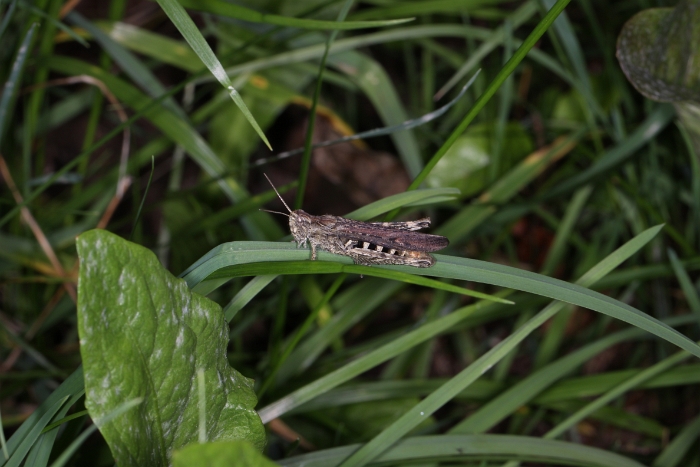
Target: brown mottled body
[[366, 242]]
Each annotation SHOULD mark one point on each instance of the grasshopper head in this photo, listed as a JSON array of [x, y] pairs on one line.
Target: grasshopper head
[[300, 225]]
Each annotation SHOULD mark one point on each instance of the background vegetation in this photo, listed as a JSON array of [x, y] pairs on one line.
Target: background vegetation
[[548, 173]]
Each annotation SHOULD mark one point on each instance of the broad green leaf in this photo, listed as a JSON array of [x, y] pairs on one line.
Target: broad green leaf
[[659, 52], [144, 334], [221, 454]]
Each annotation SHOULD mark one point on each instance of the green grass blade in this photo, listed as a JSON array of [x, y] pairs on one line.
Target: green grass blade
[[655, 122], [449, 390], [77, 442], [9, 91], [236, 11], [493, 86], [190, 32], [17, 455], [310, 127], [471, 448], [689, 290], [374, 358], [683, 442], [616, 392], [246, 294]]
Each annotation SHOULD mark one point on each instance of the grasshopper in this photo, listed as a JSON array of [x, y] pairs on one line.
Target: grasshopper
[[366, 243]]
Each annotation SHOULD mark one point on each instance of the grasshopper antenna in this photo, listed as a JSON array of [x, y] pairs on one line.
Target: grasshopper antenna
[[278, 195], [274, 212]]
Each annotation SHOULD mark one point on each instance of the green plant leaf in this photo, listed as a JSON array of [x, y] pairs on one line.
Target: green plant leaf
[[221, 454], [143, 333], [658, 50]]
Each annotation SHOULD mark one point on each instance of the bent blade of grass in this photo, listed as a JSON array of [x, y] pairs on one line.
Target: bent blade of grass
[[251, 258], [189, 31]]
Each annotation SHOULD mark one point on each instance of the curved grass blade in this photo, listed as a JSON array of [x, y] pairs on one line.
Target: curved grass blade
[[251, 258]]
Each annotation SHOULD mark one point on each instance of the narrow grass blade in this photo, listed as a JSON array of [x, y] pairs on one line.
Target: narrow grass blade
[[246, 294], [450, 449], [374, 358], [77, 442], [17, 455], [190, 32], [507, 69], [9, 91], [236, 11]]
